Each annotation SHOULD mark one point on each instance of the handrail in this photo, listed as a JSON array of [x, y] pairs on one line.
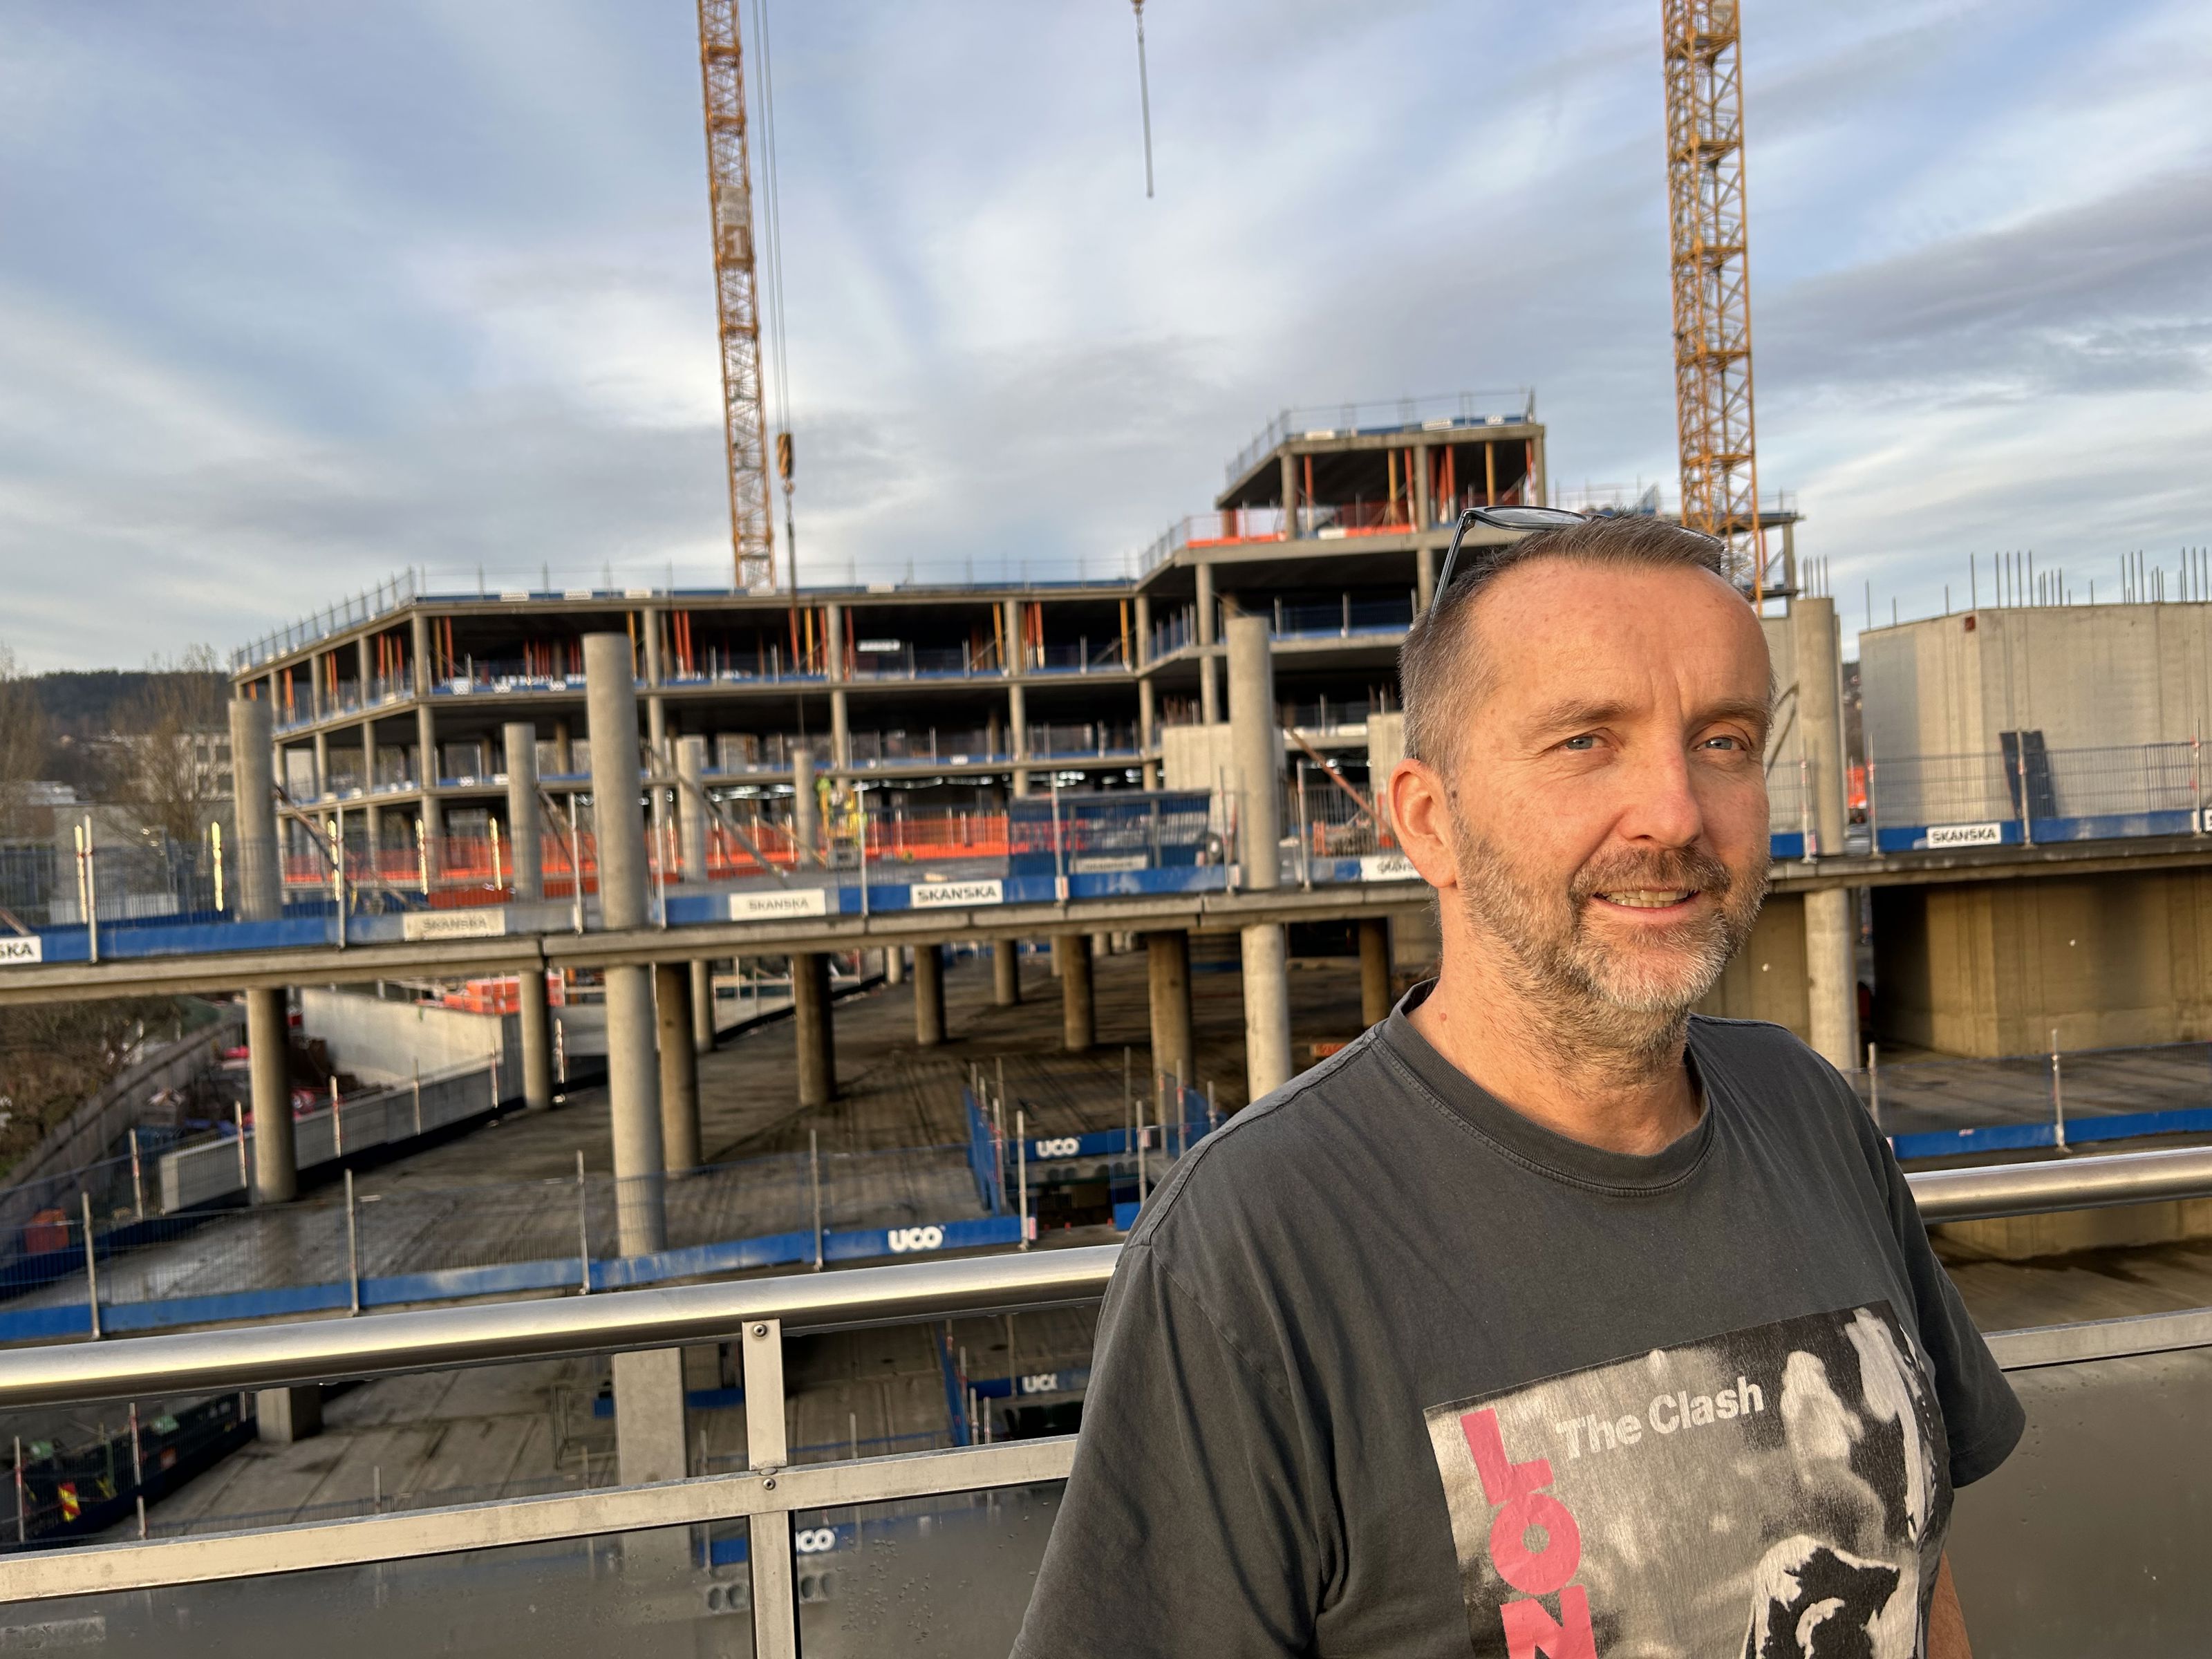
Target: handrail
[[1991, 1191], [437, 1338]]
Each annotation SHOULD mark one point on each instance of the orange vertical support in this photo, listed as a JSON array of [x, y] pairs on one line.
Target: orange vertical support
[[1489, 473]]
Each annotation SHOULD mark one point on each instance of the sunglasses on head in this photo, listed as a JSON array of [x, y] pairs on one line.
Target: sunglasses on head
[[1506, 518], [1497, 517]]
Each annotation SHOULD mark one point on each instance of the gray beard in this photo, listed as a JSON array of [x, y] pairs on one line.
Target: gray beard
[[1598, 1010]]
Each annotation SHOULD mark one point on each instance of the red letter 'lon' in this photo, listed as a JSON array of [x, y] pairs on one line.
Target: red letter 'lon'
[[1514, 1487]]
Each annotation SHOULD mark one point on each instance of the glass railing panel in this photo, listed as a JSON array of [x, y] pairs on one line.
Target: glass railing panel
[[945, 1576], [2090, 1538], [673, 1589]]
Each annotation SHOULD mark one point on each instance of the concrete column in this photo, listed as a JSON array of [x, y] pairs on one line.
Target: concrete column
[[702, 1006], [315, 705], [1079, 1011], [1209, 687], [1018, 741], [322, 764], [537, 1037], [564, 758], [418, 648], [1257, 744], [268, 1043], [426, 745], [255, 875], [1831, 939], [284, 1416], [1290, 492], [633, 1081], [524, 844], [1267, 1065], [1424, 514], [649, 1426], [1167, 957], [840, 717], [1374, 970], [1005, 972], [679, 1067], [812, 1023], [806, 811], [691, 810], [928, 995], [894, 964], [1148, 717], [361, 660]]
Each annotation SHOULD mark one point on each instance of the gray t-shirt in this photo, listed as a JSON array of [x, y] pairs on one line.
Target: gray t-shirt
[[1388, 1369]]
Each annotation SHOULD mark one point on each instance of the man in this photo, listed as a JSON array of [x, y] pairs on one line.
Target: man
[[1546, 1319]]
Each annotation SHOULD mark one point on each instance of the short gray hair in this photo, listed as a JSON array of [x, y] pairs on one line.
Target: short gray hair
[[1437, 674]]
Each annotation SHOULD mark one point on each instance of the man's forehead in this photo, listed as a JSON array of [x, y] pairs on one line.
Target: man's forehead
[[1561, 627]]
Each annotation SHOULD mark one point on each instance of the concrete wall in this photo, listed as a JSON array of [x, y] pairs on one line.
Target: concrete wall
[[1196, 757], [2085, 676], [1990, 968], [384, 1041], [1765, 980]]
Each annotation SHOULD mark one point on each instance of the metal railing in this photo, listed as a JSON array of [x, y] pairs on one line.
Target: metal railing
[[758, 1315], [2023, 793], [1441, 412]]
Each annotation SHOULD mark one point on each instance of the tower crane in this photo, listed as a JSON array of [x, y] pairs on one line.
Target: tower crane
[[729, 179], [1706, 223]]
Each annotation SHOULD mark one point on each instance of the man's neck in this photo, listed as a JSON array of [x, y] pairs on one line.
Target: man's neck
[[1566, 1076]]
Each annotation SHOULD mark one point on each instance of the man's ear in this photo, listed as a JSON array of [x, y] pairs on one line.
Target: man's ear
[[1421, 812]]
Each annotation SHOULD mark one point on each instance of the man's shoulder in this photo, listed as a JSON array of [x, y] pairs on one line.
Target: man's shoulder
[[1771, 1071], [1757, 1045], [1272, 1157]]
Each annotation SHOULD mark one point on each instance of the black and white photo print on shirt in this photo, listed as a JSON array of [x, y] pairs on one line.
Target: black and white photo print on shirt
[[1779, 1492]]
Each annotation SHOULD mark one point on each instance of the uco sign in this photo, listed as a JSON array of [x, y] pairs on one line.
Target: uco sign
[[904, 1239], [1064, 1147]]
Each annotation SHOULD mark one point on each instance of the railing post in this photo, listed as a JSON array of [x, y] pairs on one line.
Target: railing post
[[353, 1250], [814, 1185], [416, 1067], [91, 1263], [1022, 1166], [2057, 1096], [583, 1227], [245, 1177], [775, 1613]]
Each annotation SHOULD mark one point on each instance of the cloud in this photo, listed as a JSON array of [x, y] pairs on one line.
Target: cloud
[[292, 299]]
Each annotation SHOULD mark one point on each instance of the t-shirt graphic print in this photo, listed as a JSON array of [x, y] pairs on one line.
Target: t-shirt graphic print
[[1778, 1492]]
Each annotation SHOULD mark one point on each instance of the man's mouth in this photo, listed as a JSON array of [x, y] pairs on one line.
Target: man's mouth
[[1648, 899]]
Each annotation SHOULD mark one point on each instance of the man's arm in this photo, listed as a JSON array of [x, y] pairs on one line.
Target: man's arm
[[1946, 1624], [1185, 1525]]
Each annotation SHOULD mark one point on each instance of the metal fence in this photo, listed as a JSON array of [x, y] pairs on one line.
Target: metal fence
[[681, 1555], [2026, 792]]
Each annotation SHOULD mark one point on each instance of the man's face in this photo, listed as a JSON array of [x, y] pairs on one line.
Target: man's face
[[1608, 816]]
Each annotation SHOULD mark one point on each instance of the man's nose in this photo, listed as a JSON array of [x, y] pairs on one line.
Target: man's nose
[[1661, 803]]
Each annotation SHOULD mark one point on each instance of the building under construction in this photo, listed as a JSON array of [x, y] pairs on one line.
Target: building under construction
[[392, 713]]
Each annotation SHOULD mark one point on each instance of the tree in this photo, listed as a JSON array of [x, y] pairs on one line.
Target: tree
[[177, 724], [23, 739]]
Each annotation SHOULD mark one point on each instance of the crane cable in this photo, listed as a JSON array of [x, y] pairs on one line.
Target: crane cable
[[769, 223], [1144, 96]]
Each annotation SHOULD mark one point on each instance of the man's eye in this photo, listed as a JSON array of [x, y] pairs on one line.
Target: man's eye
[[1585, 742], [1723, 742]]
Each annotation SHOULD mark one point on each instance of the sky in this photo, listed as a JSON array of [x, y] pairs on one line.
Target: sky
[[293, 298]]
